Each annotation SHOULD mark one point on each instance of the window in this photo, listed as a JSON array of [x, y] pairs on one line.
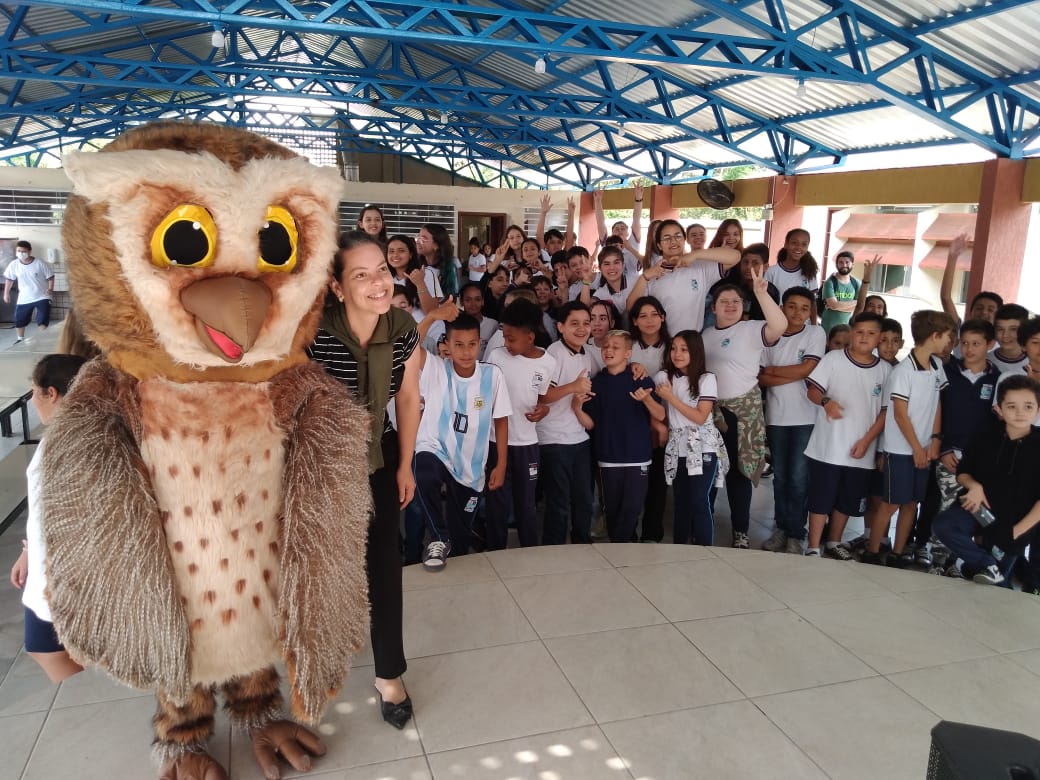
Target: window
[[962, 288], [890, 278], [403, 218]]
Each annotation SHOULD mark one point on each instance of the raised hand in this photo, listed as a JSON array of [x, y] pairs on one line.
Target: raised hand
[[758, 282], [546, 203]]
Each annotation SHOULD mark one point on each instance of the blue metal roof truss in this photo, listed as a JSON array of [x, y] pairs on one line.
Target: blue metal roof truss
[[390, 73]]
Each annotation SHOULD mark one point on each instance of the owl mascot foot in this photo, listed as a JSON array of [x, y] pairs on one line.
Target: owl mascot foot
[[206, 504]]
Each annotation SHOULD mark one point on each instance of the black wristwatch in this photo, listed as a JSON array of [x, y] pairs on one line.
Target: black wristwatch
[[825, 400]]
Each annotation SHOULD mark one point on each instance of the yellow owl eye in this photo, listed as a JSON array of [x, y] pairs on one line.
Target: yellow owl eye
[[186, 237], [278, 241]]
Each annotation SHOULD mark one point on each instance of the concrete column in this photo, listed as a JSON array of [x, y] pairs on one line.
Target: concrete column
[[1000, 230], [587, 221], [661, 202], [786, 215]]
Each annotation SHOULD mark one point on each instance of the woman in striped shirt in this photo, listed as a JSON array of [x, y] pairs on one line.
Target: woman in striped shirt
[[370, 346]]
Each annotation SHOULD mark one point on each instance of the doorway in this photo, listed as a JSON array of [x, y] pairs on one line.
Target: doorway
[[486, 228]]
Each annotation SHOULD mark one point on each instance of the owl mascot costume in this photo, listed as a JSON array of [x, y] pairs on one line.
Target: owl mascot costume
[[207, 497]]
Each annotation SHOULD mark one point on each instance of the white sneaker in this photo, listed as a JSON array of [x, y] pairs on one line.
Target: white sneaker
[[776, 541], [740, 541], [812, 552]]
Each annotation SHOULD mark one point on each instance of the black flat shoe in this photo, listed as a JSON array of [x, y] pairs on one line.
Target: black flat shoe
[[397, 715]]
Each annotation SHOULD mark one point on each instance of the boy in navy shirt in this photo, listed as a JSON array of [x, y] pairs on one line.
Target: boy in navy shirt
[[619, 413], [1000, 502]]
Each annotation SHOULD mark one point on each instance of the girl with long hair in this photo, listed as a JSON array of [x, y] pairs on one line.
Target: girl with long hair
[[371, 222], [403, 260], [730, 234], [695, 457], [795, 265], [440, 276], [649, 344]]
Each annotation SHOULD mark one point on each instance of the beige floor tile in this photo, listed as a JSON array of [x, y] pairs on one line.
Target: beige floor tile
[[699, 589], [405, 769], [489, 695], [732, 740], [92, 686], [865, 729], [891, 635], [581, 602], [642, 554], [18, 736], [770, 652], [639, 671], [994, 692], [1028, 659], [799, 581], [1002, 619], [353, 731], [575, 754], [25, 688], [907, 580], [463, 570], [111, 739], [546, 560], [463, 617]]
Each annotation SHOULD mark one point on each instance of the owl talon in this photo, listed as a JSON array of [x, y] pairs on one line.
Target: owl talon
[[192, 766], [289, 740]]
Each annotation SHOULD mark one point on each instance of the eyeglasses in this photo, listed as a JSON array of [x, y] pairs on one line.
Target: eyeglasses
[[673, 237]]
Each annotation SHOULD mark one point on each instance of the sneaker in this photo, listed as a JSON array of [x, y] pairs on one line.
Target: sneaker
[[898, 560], [740, 541], [923, 557], [776, 541], [954, 570], [858, 544], [839, 553], [989, 576], [19, 340], [436, 556], [874, 559], [812, 552], [908, 556], [794, 546], [1032, 590]]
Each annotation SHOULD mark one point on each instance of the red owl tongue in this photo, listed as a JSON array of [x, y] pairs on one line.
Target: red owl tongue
[[224, 344]]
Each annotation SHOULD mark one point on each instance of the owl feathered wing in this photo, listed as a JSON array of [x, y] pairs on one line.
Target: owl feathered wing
[[111, 585], [324, 586]]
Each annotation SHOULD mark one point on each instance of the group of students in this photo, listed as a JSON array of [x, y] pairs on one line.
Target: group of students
[[699, 365]]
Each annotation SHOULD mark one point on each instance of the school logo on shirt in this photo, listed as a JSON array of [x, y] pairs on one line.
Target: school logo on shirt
[[694, 285], [478, 403], [876, 390], [537, 379], [986, 392], [725, 343], [801, 354]]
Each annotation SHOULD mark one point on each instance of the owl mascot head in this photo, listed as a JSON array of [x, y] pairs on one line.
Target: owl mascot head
[[206, 490]]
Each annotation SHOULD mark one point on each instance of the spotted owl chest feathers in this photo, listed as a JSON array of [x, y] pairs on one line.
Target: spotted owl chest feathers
[[216, 455]]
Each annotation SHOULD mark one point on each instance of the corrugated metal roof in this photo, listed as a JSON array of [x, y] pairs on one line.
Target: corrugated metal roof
[[842, 115]]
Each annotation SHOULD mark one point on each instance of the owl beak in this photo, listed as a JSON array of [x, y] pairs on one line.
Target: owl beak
[[229, 312]]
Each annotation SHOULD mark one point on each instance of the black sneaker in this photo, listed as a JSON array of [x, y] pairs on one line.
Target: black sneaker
[[839, 553], [872, 558], [898, 560], [436, 556], [989, 576]]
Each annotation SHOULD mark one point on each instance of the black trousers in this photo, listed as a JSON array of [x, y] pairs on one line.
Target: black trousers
[[383, 562], [656, 495], [624, 491]]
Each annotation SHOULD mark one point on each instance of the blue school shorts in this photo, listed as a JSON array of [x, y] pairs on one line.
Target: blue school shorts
[[23, 313], [40, 636], [837, 488], [901, 481]]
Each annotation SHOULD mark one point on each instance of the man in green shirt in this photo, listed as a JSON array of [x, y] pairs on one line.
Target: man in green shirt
[[839, 292]]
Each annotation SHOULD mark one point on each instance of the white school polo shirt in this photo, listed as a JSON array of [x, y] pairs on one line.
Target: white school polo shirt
[[734, 354], [919, 386], [788, 404]]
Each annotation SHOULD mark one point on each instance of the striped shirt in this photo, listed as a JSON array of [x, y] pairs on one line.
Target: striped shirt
[[459, 415], [341, 364]]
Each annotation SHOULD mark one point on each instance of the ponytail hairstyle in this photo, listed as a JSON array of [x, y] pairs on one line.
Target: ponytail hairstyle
[[807, 265]]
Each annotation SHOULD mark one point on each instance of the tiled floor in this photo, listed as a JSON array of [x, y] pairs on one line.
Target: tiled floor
[[626, 661]]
